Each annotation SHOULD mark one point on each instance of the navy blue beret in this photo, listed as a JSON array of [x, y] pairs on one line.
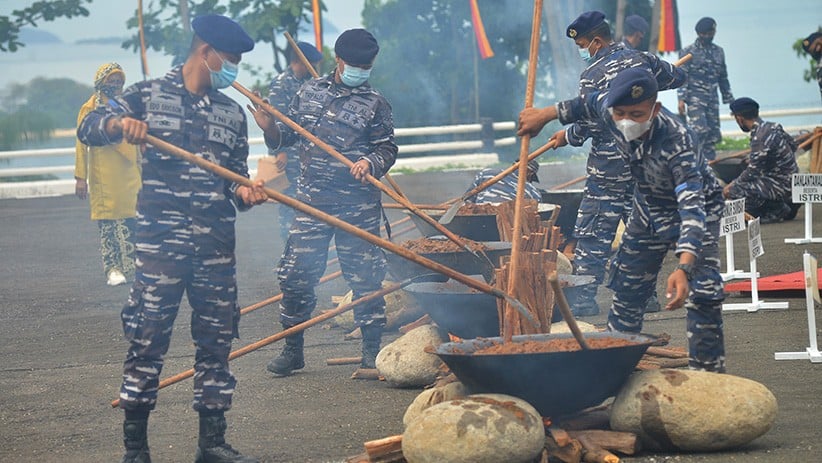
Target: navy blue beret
[[743, 104], [635, 23], [356, 47], [630, 87], [222, 33], [310, 52], [705, 25], [585, 23]]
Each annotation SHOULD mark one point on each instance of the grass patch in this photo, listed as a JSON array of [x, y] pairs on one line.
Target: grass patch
[[733, 144]]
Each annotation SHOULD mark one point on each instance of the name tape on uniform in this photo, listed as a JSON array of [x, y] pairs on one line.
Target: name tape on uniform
[[733, 217], [806, 188], [755, 239]]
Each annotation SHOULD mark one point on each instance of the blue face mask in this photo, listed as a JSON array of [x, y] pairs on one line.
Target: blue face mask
[[225, 76], [585, 54], [353, 76]]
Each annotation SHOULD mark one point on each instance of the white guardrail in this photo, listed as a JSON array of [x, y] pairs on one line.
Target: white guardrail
[[481, 153]]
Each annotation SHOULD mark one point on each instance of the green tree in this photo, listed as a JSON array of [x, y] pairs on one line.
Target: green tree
[[44, 10], [166, 26]]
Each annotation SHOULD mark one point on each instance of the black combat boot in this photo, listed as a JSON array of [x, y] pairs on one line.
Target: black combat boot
[[211, 446], [136, 440], [291, 358], [371, 336]]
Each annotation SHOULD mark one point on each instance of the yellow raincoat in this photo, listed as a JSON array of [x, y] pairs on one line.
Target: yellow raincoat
[[112, 172]]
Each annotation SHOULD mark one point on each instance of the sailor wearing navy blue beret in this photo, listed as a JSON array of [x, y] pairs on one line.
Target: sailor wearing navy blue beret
[[707, 73], [766, 181], [677, 203], [185, 237], [636, 28], [608, 187], [345, 111]]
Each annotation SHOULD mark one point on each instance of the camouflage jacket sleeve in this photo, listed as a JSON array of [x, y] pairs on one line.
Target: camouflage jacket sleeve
[[682, 90], [690, 200], [582, 107], [724, 84], [238, 163], [381, 137], [576, 134], [92, 129], [667, 75]]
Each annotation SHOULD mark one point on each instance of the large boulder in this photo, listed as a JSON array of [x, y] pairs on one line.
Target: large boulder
[[481, 428], [430, 397], [693, 410], [405, 362]]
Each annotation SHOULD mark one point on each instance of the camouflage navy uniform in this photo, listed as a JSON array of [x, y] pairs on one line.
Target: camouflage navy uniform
[[184, 236], [677, 203], [503, 190], [766, 182], [357, 122], [706, 71], [609, 187], [280, 92]]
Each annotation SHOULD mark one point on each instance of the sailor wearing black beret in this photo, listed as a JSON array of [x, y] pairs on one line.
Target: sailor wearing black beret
[[590, 28], [636, 27], [813, 46], [744, 105]]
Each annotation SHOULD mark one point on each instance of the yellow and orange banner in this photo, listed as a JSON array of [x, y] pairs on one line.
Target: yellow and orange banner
[[484, 46]]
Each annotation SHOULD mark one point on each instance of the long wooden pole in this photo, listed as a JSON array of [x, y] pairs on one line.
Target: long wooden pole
[[516, 238], [347, 162], [342, 225], [143, 59], [287, 332]]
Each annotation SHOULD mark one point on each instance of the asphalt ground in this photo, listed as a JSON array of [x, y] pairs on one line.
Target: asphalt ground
[[62, 350]]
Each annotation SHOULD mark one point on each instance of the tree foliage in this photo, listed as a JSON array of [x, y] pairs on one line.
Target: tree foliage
[[166, 29], [44, 10]]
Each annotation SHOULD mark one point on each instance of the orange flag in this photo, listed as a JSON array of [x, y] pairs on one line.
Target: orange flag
[[479, 31]]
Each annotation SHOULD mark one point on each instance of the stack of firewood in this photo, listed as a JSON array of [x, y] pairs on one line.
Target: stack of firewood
[[537, 260]]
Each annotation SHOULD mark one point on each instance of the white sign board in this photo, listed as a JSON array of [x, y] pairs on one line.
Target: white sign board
[[755, 239], [806, 188], [733, 219]]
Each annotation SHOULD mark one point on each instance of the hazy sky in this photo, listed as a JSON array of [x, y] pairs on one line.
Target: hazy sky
[[107, 18]]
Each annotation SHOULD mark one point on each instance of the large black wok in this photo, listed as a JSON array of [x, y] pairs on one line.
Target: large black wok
[[569, 201], [466, 312], [477, 227], [729, 169], [555, 383], [461, 261]]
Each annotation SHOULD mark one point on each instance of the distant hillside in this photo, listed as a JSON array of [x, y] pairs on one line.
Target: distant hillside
[[31, 36]]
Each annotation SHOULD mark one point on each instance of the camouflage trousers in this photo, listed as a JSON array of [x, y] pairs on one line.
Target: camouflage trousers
[[598, 218], [703, 117], [148, 317], [762, 195], [633, 277], [117, 246], [304, 262], [287, 214]]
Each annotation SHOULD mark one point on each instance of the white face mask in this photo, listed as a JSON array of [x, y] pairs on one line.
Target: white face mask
[[632, 130]]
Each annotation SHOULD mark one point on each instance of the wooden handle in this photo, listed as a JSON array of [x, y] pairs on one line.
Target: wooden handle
[[347, 162], [810, 140], [562, 186], [559, 295], [683, 60]]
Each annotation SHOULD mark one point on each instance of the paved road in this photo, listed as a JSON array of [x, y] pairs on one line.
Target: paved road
[[62, 351]]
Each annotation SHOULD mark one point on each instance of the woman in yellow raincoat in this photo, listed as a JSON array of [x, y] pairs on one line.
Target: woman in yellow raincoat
[[110, 177]]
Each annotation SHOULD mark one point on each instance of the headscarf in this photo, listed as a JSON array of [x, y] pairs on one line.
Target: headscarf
[[98, 98]]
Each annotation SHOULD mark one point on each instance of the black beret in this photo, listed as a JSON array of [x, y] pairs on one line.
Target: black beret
[[635, 23], [630, 87], [310, 52], [743, 104], [806, 44], [222, 33], [356, 47], [705, 25], [585, 23]]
